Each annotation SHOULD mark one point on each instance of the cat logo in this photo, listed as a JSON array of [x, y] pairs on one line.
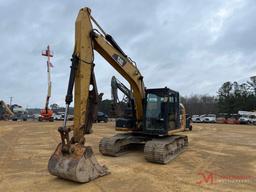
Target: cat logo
[[119, 59]]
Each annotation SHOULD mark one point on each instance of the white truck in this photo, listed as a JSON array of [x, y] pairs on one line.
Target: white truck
[[206, 118], [20, 113], [247, 117], [209, 118], [196, 119]]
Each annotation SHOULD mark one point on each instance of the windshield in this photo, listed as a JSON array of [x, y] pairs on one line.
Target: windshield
[[154, 114]]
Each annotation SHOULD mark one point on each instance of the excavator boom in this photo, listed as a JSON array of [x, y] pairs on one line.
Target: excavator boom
[[87, 40]]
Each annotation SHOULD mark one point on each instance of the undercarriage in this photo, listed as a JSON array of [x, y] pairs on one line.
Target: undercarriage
[[157, 150]]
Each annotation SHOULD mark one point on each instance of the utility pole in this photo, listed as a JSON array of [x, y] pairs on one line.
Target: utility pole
[[10, 101]]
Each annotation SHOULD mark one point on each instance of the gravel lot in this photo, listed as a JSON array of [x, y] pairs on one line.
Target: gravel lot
[[219, 158]]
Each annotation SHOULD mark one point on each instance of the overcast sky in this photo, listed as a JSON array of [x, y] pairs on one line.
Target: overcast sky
[[189, 46]]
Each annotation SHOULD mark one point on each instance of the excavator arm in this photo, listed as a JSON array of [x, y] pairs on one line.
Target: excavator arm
[[116, 84], [72, 160], [86, 41], [115, 108]]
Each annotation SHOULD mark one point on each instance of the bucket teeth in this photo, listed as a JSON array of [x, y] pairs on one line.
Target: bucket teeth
[[80, 165]]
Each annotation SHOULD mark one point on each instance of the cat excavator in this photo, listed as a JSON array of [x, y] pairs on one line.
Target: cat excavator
[[157, 111]]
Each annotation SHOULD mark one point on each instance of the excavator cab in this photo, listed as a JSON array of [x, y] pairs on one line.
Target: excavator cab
[[161, 111]]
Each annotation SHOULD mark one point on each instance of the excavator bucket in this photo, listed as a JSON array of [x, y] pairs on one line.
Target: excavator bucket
[[80, 165]]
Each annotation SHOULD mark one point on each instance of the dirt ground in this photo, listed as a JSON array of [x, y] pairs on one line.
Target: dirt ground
[[219, 158]]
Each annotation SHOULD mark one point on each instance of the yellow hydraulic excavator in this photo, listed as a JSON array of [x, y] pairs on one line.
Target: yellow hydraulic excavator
[[156, 111]]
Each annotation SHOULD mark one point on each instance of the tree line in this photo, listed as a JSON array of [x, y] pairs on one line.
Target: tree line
[[231, 97], [200, 104]]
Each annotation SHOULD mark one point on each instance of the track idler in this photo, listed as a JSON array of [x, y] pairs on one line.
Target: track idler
[[80, 165]]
